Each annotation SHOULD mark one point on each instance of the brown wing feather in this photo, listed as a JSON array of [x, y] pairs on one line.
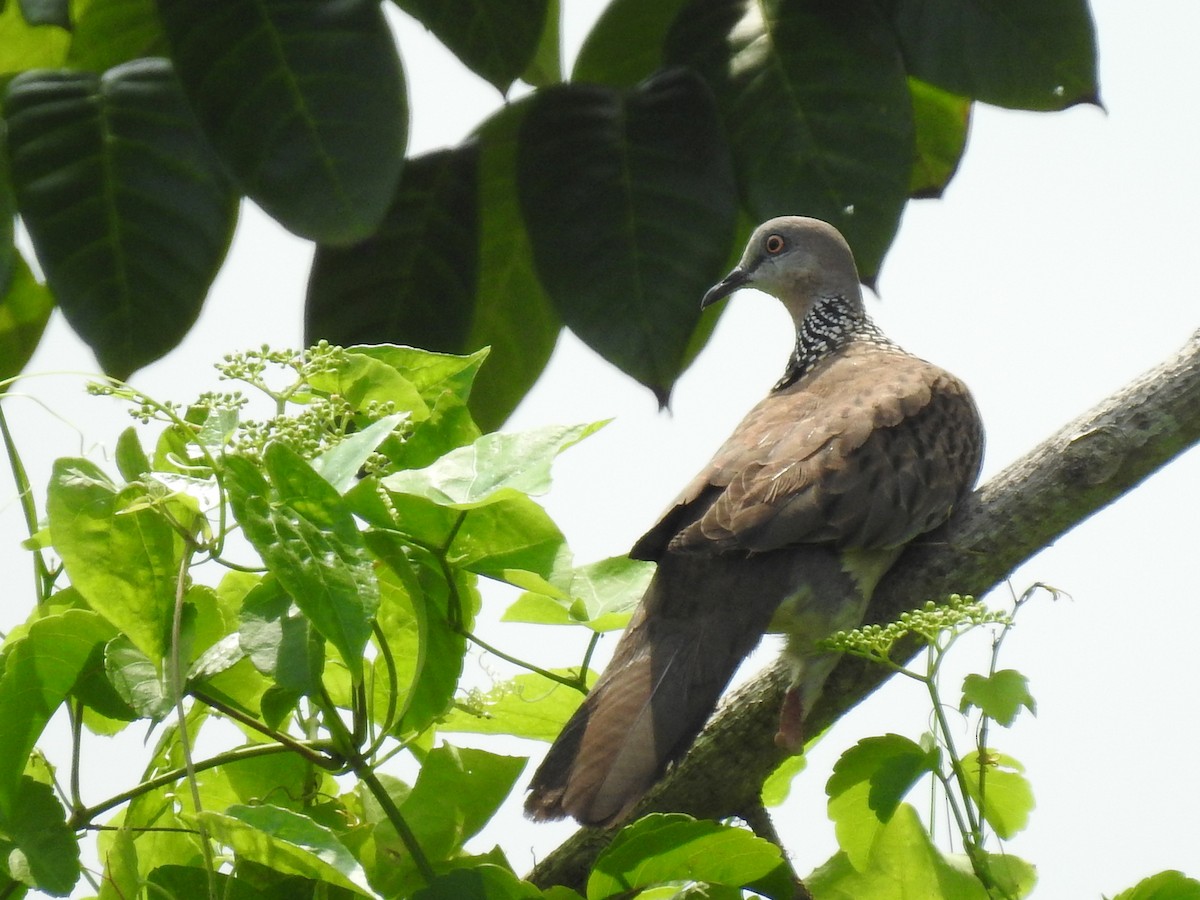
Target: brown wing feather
[[843, 456]]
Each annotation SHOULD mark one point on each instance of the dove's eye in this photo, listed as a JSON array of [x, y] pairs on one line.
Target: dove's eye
[[774, 244]]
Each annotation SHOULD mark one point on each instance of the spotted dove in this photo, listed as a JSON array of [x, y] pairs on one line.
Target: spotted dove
[[857, 450]]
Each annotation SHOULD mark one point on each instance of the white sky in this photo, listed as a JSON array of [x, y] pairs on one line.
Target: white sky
[[1056, 268]]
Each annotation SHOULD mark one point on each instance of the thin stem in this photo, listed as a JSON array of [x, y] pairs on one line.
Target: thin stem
[[82, 818], [76, 711], [185, 743], [41, 572], [310, 750], [392, 811], [575, 683]]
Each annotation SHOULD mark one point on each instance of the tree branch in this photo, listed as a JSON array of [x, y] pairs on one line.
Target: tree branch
[[1078, 471]]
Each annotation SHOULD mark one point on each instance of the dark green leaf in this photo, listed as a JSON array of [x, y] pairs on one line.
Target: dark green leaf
[[625, 45], [1169, 885], [8, 212], [999, 696], [413, 279], [1026, 54], [941, 120], [662, 848], [999, 788], [46, 12], [866, 787], [111, 32], [181, 882], [24, 311], [122, 555], [128, 209], [496, 39], [287, 842], [94, 689], [816, 106], [39, 671], [47, 853], [546, 66], [307, 537], [136, 679], [630, 202], [513, 315], [528, 706], [486, 882], [903, 863], [492, 468], [305, 102]]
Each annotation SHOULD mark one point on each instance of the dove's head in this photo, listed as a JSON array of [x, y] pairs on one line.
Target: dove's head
[[796, 259]]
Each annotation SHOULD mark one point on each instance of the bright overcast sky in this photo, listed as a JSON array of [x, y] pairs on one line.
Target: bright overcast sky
[[1058, 267]]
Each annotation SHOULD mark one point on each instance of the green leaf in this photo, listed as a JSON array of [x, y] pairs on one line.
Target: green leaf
[[942, 121], [278, 641], [128, 209], [1000, 790], [305, 103], [307, 538], [121, 877], [625, 45], [1012, 875], [672, 847], [496, 39], [47, 852], [607, 180], [416, 621], [1025, 54], [433, 374], [340, 464], [903, 863], [121, 554], [778, 785], [512, 313], [361, 379], [815, 103], [136, 679], [546, 66], [8, 212], [413, 278], [25, 308], [506, 538], [1168, 885], [528, 706], [111, 32], [287, 842], [24, 46], [492, 468], [600, 595], [39, 671], [999, 696], [868, 782], [456, 793]]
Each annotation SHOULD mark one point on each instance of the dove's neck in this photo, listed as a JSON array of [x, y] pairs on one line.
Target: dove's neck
[[830, 324]]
